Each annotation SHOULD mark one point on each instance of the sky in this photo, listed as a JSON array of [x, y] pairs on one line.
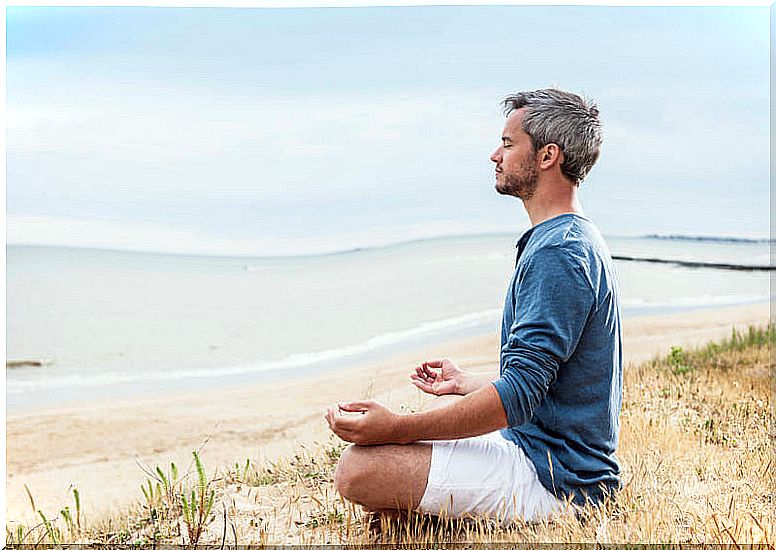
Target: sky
[[259, 130]]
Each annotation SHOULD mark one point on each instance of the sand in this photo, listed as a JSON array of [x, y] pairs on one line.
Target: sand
[[99, 447]]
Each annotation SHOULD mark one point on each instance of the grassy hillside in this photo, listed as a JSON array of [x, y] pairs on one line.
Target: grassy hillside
[[695, 447]]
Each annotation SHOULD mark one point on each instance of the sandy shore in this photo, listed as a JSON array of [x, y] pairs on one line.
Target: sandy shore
[[97, 447]]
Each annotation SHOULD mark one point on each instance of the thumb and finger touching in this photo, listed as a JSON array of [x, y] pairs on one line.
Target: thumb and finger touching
[[356, 406]]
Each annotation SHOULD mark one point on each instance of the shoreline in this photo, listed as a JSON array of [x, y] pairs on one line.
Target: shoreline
[[47, 399], [97, 446]]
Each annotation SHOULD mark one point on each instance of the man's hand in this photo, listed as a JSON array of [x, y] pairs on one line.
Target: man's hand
[[439, 377], [364, 423]]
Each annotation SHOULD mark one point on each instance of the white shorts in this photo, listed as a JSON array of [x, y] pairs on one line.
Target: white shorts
[[485, 476]]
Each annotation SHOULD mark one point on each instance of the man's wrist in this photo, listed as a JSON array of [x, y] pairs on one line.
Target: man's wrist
[[402, 428], [463, 385]]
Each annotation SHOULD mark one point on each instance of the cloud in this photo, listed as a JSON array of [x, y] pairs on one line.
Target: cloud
[[176, 139]]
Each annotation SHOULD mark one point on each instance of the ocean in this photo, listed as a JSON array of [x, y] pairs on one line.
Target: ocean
[[115, 324]]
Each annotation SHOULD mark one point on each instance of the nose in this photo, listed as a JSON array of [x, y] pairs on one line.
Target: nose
[[495, 156]]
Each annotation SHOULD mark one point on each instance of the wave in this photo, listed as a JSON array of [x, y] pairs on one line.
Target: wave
[[707, 238], [299, 360]]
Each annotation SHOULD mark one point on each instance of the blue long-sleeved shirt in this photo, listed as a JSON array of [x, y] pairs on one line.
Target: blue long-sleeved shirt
[[561, 366]]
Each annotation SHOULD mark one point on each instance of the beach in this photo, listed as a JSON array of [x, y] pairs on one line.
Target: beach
[[99, 446]]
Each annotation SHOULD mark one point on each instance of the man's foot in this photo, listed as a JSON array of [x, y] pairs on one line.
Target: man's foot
[[375, 520], [374, 524]]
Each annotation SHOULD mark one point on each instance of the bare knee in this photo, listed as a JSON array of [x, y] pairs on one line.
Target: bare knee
[[350, 474], [384, 476]]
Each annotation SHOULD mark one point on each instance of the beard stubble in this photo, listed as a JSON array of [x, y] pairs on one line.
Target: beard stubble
[[522, 184]]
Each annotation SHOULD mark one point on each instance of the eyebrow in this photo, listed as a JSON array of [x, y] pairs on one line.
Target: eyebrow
[[506, 138]]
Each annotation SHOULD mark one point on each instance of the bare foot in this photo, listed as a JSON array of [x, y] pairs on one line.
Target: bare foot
[[375, 520]]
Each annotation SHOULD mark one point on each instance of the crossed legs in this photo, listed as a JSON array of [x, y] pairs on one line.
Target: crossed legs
[[387, 477]]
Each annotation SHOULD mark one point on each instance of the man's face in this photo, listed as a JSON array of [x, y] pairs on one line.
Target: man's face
[[516, 172]]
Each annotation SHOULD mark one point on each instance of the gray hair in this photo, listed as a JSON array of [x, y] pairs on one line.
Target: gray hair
[[563, 118]]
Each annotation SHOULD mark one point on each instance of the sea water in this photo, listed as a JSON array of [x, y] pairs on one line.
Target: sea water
[[110, 324]]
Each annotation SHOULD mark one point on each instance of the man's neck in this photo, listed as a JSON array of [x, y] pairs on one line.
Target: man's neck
[[550, 201]]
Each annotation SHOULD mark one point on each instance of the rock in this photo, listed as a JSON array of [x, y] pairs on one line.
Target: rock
[[27, 363]]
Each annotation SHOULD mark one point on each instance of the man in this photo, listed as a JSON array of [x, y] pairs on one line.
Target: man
[[545, 431]]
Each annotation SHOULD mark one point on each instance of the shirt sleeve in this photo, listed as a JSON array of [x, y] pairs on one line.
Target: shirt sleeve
[[553, 301]]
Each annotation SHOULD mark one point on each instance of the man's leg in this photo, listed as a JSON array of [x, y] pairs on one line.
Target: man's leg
[[384, 477], [387, 477]]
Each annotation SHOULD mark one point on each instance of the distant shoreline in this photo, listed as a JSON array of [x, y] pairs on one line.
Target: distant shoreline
[[707, 238], [378, 244], [708, 265]]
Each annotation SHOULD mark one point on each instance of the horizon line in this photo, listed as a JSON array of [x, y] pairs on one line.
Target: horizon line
[[141, 249]]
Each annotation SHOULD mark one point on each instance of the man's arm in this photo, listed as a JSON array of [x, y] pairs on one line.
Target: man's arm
[[555, 300], [476, 413]]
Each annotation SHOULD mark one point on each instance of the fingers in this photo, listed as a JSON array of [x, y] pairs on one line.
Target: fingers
[[340, 425], [337, 422], [329, 417], [419, 378], [424, 372], [346, 424], [422, 385], [356, 406], [423, 378]]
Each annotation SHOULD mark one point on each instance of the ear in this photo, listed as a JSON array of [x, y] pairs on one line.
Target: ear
[[549, 156]]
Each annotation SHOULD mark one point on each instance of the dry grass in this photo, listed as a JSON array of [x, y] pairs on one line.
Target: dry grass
[[695, 444]]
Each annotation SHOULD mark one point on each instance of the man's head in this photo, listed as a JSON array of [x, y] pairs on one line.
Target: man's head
[[546, 130]]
